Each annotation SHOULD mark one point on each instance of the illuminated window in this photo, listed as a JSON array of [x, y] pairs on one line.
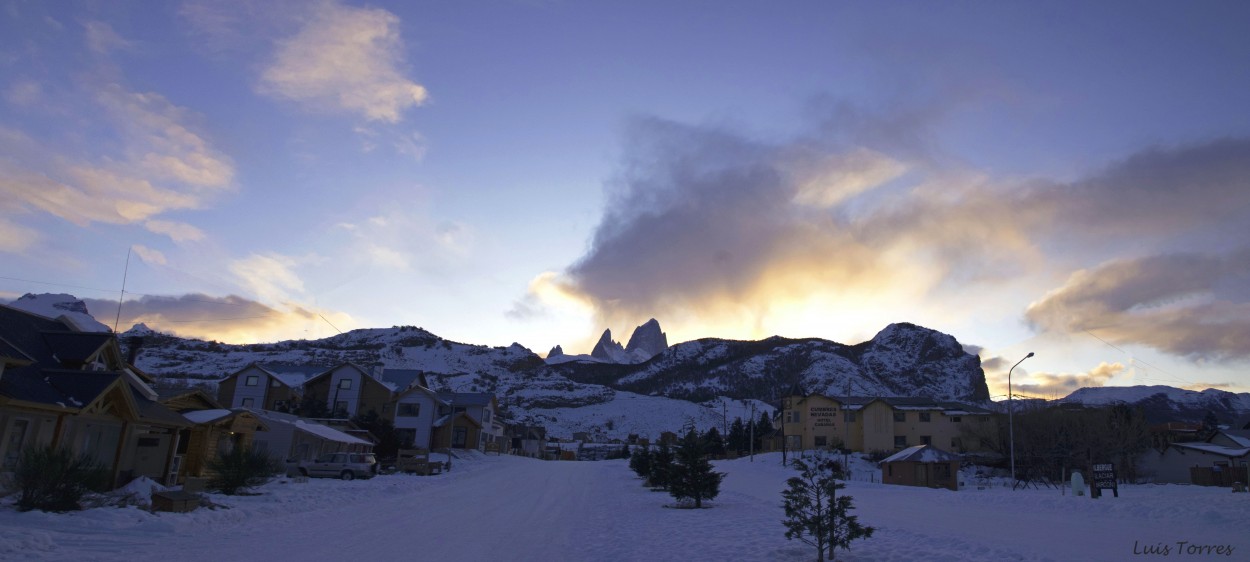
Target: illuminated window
[[251, 380]]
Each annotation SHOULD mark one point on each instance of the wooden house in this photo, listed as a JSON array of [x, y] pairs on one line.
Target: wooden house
[[66, 388], [267, 387], [348, 390], [215, 433], [484, 409], [459, 430], [922, 465]]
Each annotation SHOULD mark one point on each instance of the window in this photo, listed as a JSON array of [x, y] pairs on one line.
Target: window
[[345, 384], [251, 380], [956, 443], [925, 416], [792, 416], [900, 441], [406, 437], [280, 405], [274, 383], [956, 419], [485, 416], [926, 440], [821, 441], [409, 410], [848, 417], [900, 416], [249, 402]]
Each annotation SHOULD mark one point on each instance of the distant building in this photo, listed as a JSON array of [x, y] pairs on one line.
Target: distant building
[[883, 423]]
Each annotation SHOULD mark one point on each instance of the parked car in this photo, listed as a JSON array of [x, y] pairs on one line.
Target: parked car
[[347, 466]]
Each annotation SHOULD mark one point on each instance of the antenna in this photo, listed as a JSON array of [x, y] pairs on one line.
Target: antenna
[[125, 274]]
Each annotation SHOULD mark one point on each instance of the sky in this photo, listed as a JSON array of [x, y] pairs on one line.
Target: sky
[[1069, 179]]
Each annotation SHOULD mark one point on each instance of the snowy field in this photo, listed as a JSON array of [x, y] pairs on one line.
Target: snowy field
[[510, 508]]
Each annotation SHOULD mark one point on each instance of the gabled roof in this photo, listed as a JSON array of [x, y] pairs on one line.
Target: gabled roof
[[25, 331], [423, 390], [1231, 452], [922, 453], [440, 422], [404, 378], [363, 371], [10, 353], [306, 425], [73, 349]]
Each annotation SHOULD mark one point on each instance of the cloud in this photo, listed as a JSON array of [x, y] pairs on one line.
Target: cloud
[[15, 238], [1050, 385], [231, 319], [158, 164], [102, 39], [1189, 304], [344, 59], [148, 255], [177, 231], [271, 277], [714, 229], [23, 93]]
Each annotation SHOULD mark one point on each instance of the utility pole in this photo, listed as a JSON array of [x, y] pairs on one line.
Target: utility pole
[[752, 432]]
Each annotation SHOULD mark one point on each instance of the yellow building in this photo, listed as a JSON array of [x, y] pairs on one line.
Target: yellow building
[[884, 424]]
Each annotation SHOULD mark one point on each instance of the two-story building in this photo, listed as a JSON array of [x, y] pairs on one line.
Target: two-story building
[[482, 408], [414, 412], [883, 423], [349, 389], [277, 387]]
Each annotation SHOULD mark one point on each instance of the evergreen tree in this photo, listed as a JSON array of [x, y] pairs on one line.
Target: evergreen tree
[[763, 427], [737, 440], [661, 466], [312, 407], [815, 513], [1210, 426], [382, 429], [713, 442], [692, 477], [640, 462]]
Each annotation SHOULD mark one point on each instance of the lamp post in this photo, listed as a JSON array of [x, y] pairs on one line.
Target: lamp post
[[1011, 425]]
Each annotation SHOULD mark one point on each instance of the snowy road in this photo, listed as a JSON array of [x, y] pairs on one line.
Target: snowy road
[[508, 508]]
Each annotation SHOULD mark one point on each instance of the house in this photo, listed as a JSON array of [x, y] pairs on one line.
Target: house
[[1219, 461], [290, 438], [414, 411], [922, 465], [528, 440], [66, 388], [458, 430], [483, 408], [271, 386], [216, 430], [883, 423], [349, 390]]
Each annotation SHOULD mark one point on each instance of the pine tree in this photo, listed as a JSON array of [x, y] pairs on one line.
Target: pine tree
[[640, 462], [692, 476], [661, 466], [763, 427], [714, 443], [737, 440], [815, 513]]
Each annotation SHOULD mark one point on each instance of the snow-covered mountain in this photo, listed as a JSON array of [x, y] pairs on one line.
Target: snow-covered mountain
[[1165, 403], [902, 360]]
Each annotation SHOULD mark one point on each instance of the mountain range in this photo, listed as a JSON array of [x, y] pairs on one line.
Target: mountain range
[[643, 387]]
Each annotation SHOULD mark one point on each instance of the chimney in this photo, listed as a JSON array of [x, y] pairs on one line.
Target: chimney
[[133, 344]]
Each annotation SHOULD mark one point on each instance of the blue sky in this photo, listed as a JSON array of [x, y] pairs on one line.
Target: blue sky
[[1064, 178]]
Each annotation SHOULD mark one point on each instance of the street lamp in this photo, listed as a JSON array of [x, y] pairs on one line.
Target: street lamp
[[1011, 426]]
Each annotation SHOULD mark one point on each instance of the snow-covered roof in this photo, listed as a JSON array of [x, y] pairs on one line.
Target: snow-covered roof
[[1215, 449], [205, 416], [922, 453], [1241, 437], [327, 432]]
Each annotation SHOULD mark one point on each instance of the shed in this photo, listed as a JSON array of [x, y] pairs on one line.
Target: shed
[[922, 465]]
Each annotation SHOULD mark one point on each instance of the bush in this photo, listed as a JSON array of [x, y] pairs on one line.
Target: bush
[[56, 479], [240, 469]]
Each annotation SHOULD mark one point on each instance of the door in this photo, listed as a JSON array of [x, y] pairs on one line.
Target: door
[[14, 441]]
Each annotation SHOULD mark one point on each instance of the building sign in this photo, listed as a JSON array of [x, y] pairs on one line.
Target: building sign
[[822, 415], [1103, 479]]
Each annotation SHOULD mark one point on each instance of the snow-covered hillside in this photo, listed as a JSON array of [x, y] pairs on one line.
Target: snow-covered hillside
[[55, 305]]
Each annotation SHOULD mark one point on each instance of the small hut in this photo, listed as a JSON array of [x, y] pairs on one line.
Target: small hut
[[922, 465]]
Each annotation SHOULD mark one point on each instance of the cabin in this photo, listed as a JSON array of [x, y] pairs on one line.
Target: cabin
[[414, 412], [67, 388], [925, 466]]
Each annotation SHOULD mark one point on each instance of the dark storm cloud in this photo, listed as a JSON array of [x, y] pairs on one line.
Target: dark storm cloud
[[229, 318]]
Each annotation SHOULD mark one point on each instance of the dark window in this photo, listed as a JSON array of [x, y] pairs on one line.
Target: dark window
[[409, 410], [926, 440], [251, 380], [820, 441], [274, 383], [149, 442], [956, 443], [900, 441], [900, 416], [406, 437], [249, 402], [848, 417], [925, 416], [942, 471], [956, 419]]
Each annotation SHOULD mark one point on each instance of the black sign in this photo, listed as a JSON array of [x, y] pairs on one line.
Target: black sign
[[1103, 479]]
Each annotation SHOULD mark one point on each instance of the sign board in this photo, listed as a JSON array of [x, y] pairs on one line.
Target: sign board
[[822, 415], [1103, 479]]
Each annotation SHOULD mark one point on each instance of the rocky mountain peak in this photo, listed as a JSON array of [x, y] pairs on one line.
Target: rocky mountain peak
[[555, 351], [607, 349], [647, 340]]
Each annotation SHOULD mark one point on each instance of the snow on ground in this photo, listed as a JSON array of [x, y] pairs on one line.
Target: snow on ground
[[512, 508]]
